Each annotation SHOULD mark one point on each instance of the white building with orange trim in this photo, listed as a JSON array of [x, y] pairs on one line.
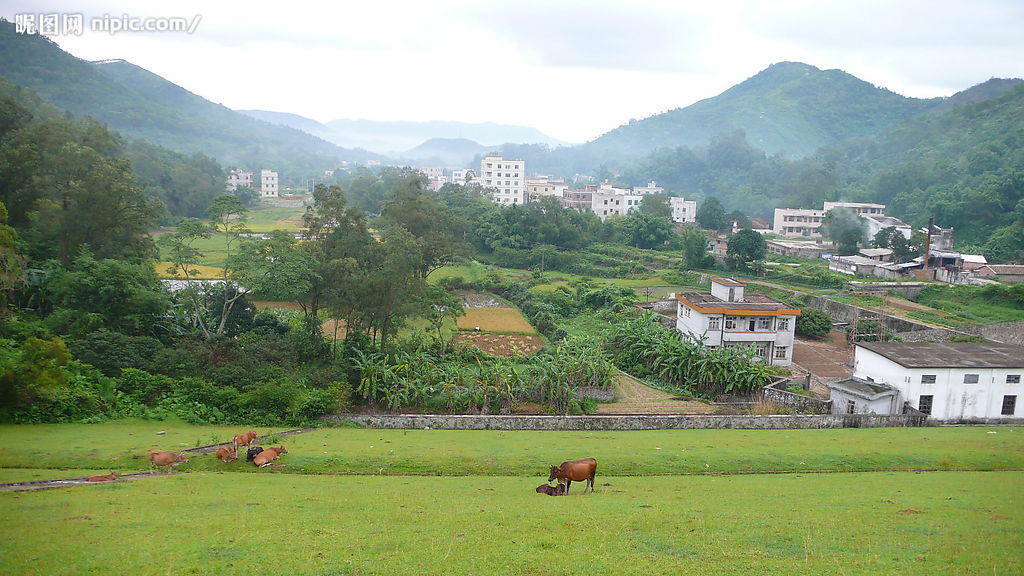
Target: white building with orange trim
[[728, 317]]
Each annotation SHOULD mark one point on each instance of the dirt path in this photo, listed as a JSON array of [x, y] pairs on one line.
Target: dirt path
[[632, 396], [66, 482]]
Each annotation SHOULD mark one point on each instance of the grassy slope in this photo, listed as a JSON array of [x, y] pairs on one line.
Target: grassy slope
[[122, 445], [889, 523]]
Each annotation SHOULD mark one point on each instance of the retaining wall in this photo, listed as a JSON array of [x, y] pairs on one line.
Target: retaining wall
[[775, 392], [627, 422]]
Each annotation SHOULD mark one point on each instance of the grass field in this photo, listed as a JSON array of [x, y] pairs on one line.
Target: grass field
[[469, 505], [122, 446], [886, 523]]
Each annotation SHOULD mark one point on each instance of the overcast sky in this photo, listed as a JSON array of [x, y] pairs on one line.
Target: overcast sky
[[573, 69]]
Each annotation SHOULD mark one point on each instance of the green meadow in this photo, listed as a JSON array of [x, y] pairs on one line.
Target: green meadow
[[350, 500]]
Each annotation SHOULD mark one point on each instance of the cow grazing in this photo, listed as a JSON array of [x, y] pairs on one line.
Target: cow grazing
[[578, 470], [556, 490], [268, 455], [165, 458], [226, 454], [102, 477], [252, 452], [246, 439]]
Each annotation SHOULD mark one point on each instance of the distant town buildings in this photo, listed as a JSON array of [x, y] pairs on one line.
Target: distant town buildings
[[804, 223], [683, 210], [729, 317], [268, 184], [507, 178], [237, 177]]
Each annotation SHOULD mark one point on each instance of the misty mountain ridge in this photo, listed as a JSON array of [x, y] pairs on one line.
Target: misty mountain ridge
[[789, 108], [397, 138]]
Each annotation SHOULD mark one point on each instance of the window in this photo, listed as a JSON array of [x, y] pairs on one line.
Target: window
[[928, 379], [686, 311], [924, 404], [1009, 405], [750, 325], [761, 349], [783, 324], [851, 407], [730, 322], [714, 323], [781, 351], [764, 324], [1013, 378], [970, 378]]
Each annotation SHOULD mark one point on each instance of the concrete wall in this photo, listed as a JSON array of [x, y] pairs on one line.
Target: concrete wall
[[638, 422], [776, 393]]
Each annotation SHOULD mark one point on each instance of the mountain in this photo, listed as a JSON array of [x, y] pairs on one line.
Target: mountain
[[392, 137], [143, 105], [447, 151], [307, 125], [789, 108]]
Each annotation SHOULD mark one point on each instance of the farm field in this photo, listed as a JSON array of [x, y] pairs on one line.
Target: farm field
[[497, 320]]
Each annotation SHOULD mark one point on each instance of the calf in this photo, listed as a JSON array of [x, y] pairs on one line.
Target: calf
[[165, 458], [269, 455], [252, 452], [556, 490], [102, 477], [246, 439], [227, 454]]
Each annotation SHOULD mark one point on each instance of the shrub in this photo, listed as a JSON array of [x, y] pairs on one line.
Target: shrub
[[813, 323]]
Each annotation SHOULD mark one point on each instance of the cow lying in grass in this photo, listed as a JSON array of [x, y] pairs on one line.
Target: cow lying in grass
[[165, 458], [556, 490], [252, 452], [227, 454], [102, 477], [268, 455]]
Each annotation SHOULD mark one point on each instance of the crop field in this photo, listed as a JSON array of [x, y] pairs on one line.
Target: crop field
[[395, 502], [497, 320]]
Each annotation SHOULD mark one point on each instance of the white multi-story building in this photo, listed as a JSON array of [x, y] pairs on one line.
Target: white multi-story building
[[947, 380], [728, 317], [683, 210], [607, 201], [463, 177], [651, 188], [268, 184], [238, 177], [804, 223], [541, 186], [506, 177]]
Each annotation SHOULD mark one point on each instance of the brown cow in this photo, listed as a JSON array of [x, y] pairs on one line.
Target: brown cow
[[226, 454], [268, 455], [578, 470], [556, 490], [165, 458], [102, 477], [244, 439]]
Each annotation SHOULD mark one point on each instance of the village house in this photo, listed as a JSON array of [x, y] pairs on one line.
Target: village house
[[729, 317], [268, 184], [950, 381], [804, 223]]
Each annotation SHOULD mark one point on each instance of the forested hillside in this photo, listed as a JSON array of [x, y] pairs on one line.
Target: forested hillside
[[139, 104], [790, 108]]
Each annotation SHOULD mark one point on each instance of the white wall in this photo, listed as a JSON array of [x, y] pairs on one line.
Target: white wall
[[952, 399]]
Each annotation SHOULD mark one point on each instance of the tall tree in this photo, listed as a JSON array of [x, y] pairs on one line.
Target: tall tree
[[711, 214], [746, 247]]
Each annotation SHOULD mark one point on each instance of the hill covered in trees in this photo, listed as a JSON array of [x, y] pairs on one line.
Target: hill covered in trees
[[142, 105]]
